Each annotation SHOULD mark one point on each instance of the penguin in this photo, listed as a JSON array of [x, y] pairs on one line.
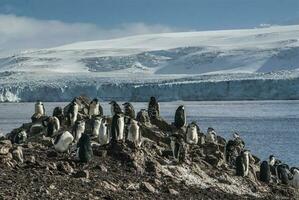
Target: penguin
[[142, 117], [20, 137], [39, 108], [272, 162], [242, 164], [115, 108], [283, 174], [180, 117], [104, 135], [233, 147], [73, 112], [265, 173], [117, 127], [175, 144], [52, 124], [78, 130], [96, 126], [58, 112], [211, 136], [134, 133], [192, 134], [95, 108], [84, 149], [153, 108], [129, 110], [63, 141], [294, 181]]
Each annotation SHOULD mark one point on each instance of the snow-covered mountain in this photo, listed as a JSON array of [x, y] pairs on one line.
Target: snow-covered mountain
[[258, 63]]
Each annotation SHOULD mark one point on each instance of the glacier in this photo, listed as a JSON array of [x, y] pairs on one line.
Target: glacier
[[248, 64]]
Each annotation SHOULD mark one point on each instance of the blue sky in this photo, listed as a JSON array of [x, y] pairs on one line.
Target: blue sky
[[101, 19]]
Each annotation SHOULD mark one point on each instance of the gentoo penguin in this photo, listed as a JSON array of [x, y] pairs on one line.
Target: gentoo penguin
[[20, 137], [129, 110], [95, 108], [180, 117], [96, 126], [294, 181], [78, 130], [104, 135], [176, 145], [242, 164], [272, 162], [265, 173], [84, 148], [134, 134], [73, 112], [192, 134], [39, 108], [117, 127], [211, 136], [115, 108], [153, 108], [63, 141], [233, 148], [58, 112], [52, 124], [142, 117]]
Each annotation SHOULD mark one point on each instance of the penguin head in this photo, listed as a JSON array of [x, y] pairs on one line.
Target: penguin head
[[95, 100], [181, 107], [236, 135], [112, 102], [38, 102], [210, 130]]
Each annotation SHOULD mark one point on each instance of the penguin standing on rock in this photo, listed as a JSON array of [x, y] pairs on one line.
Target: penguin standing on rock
[[295, 177], [95, 108], [153, 108], [78, 130], [242, 164], [96, 126], [180, 117], [20, 137], [104, 134], [115, 108], [192, 134], [265, 173], [73, 112], [129, 110], [63, 141], [85, 150], [58, 112], [117, 127], [39, 108], [176, 144], [211, 136], [134, 133], [52, 124]]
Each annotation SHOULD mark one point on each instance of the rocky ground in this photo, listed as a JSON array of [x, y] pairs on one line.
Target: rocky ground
[[120, 170]]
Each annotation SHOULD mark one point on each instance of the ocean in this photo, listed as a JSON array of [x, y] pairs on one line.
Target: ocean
[[267, 127]]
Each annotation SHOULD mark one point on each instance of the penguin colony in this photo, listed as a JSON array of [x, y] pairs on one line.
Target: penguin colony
[[68, 132]]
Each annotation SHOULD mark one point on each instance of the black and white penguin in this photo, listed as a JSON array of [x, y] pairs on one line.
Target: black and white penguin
[[115, 108], [233, 148], [20, 137], [117, 127], [63, 141], [129, 110], [84, 149], [58, 112], [96, 123], [52, 124], [211, 136], [78, 130], [39, 108], [104, 132], [73, 112], [294, 181], [176, 146], [265, 173], [134, 134], [142, 117], [180, 117], [192, 134], [242, 164], [153, 108], [95, 108], [272, 163], [283, 173]]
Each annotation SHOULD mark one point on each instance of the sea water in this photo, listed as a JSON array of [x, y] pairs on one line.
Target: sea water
[[267, 127]]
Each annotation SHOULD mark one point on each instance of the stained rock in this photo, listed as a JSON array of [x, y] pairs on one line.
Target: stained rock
[[82, 174], [65, 167], [147, 187]]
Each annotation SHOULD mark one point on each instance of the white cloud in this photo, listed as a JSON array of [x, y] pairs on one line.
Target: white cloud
[[17, 33]]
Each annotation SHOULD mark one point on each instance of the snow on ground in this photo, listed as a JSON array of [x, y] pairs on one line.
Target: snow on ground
[[187, 65]]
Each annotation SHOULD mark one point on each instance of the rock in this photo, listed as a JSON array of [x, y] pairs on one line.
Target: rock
[[18, 154], [52, 154], [31, 159], [5, 146], [82, 174], [133, 186], [109, 186], [103, 168], [51, 166], [65, 167], [147, 187], [173, 192]]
